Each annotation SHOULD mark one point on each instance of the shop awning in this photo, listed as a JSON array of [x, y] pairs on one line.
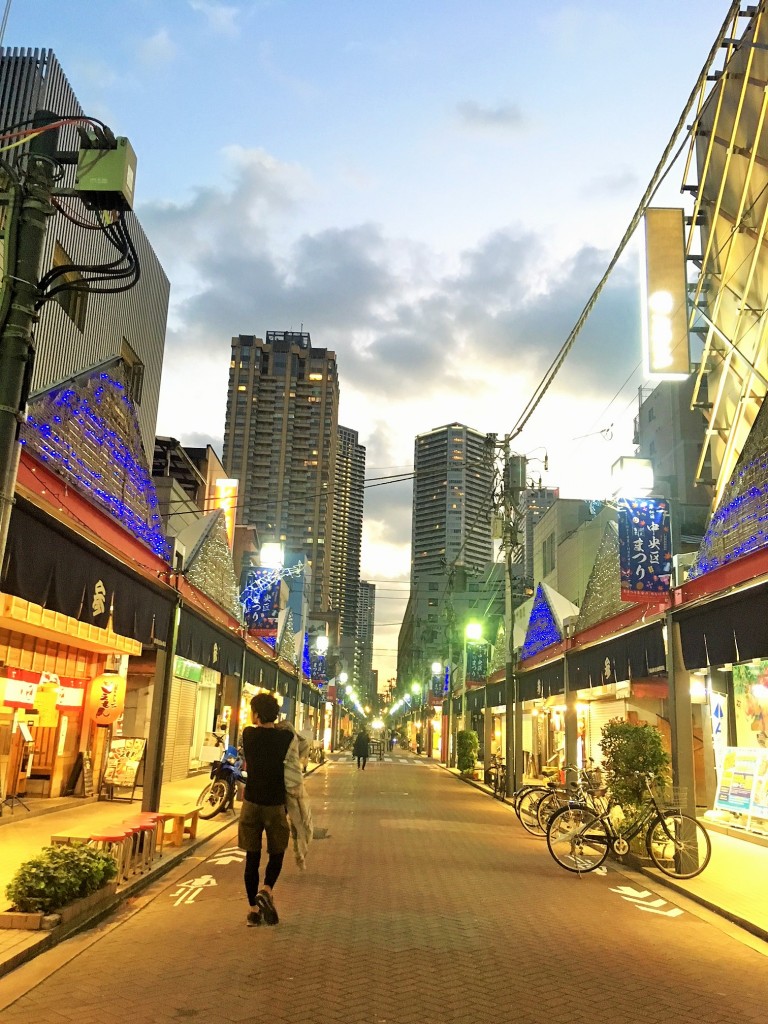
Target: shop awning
[[476, 699], [634, 655], [209, 645], [287, 684], [726, 629], [544, 681], [259, 671], [50, 567], [494, 694]]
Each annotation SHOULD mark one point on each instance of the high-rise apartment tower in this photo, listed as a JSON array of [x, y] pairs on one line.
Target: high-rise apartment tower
[[349, 484], [452, 501], [280, 440], [366, 615]]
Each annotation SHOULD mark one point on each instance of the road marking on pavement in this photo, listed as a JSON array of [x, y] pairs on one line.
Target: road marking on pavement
[[188, 890], [229, 855], [639, 899]]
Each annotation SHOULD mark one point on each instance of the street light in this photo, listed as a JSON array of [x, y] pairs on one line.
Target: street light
[[473, 633]]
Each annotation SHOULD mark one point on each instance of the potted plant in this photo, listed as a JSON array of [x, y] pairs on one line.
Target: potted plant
[[631, 752], [467, 745], [57, 878]]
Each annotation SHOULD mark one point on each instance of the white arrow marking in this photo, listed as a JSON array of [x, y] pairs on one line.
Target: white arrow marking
[[627, 890], [654, 903], [674, 912], [225, 860]]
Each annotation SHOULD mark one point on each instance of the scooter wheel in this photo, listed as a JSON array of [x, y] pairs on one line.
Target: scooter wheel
[[213, 798]]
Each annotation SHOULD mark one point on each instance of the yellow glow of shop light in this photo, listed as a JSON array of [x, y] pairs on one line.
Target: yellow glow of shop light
[[473, 631], [326, 738], [436, 725], [497, 734], [225, 498], [698, 689], [377, 723]]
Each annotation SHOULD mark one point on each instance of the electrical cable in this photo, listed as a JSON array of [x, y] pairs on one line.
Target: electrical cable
[[657, 178]]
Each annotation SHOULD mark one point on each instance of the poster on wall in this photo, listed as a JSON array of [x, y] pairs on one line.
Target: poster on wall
[[645, 551], [123, 760], [750, 692], [743, 782]]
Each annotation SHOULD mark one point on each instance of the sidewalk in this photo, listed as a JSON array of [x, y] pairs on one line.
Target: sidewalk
[[730, 885], [23, 834]]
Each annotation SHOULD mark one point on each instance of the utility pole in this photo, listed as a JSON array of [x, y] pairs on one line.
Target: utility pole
[[514, 477], [29, 205]]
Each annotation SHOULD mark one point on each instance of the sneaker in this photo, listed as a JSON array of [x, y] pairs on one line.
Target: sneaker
[[253, 919], [268, 911]]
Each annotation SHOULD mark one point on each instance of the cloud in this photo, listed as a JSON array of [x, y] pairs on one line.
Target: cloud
[[417, 345], [220, 18], [158, 49], [502, 117]]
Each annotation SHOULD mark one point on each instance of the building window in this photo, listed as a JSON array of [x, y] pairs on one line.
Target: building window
[[73, 299]]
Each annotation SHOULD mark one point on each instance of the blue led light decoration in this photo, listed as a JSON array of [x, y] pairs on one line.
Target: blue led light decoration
[[740, 524], [86, 432], [543, 629], [306, 665]]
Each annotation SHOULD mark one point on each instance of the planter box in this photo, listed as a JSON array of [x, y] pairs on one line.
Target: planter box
[[79, 910]]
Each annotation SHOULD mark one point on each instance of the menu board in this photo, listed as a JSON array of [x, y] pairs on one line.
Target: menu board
[[743, 781], [123, 760]]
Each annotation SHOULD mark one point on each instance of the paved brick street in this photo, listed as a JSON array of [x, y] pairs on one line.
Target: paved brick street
[[426, 903]]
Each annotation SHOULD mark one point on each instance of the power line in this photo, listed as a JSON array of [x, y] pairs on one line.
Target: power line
[[657, 178]]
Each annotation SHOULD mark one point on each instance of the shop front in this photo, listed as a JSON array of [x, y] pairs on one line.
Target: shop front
[[724, 650]]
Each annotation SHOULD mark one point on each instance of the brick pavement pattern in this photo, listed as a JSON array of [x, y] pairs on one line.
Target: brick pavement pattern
[[425, 904]]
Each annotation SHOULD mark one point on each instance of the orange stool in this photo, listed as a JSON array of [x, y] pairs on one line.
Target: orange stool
[[144, 833], [117, 842], [159, 822]]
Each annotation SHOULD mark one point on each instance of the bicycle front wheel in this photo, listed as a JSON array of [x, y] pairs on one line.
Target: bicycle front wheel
[[526, 811], [500, 789], [577, 839], [678, 845]]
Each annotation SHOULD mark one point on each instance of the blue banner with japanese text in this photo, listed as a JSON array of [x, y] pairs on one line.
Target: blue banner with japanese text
[[645, 549]]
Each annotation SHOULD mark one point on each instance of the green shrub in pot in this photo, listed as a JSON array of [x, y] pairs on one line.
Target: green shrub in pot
[[58, 875]]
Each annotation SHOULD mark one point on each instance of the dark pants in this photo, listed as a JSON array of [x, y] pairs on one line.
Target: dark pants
[[363, 758], [255, 820]]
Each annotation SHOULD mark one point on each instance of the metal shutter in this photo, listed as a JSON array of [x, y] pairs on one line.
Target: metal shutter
[[178, 737], [600, 713]]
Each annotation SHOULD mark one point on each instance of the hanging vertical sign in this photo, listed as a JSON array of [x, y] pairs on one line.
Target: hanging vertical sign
[[645, 551], [664, 310]]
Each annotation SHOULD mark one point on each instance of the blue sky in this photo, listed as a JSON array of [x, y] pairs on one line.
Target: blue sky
[[431, 188]]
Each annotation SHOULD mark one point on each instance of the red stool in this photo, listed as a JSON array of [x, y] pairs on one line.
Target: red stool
[[118, 842], [144, 833], [158, 820]]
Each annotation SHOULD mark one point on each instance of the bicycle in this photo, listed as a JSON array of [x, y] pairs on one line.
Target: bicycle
[[496, 776], [584, 791], [580, 839]]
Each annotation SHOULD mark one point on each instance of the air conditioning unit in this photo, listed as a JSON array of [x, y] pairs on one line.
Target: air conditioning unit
[[681, 566]]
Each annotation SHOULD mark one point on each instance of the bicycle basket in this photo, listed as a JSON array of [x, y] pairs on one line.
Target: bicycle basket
[[669, 798]]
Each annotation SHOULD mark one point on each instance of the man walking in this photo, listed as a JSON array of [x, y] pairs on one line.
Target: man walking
[[263, 809]]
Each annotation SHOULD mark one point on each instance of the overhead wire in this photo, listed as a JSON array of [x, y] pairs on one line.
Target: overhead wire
[[662, 170]]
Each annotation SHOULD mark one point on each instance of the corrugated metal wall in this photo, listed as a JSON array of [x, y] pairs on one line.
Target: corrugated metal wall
[[31, 80]]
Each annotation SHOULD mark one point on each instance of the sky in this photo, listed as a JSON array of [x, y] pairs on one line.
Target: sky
[[431, 189]]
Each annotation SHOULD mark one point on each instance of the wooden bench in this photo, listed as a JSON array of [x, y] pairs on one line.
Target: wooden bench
[[183, 824]]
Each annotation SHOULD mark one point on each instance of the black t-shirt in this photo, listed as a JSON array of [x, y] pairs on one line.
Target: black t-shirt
[[265, 751]]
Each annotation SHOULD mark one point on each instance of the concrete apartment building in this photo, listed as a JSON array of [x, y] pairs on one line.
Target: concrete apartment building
[[78, 330], [280, 441]]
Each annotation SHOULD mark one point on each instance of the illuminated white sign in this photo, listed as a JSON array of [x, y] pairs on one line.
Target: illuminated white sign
[[665, 300]]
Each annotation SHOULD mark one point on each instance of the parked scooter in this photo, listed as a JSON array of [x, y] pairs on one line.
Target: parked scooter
[[226, 775]]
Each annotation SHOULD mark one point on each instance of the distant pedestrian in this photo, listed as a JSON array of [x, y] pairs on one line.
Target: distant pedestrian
[[263, 809], [392, 740], [361, 748]]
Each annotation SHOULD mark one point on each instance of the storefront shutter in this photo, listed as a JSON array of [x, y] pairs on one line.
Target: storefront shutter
[[181, 723], [599, 714]]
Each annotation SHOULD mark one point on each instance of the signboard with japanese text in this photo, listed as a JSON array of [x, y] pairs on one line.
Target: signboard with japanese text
[[106, 698], [123, 760], [19, 689], [645, 550], [260, 598]]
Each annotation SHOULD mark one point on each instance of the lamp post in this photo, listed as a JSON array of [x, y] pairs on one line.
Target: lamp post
[[473, 633]]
